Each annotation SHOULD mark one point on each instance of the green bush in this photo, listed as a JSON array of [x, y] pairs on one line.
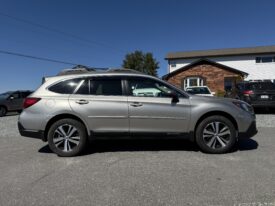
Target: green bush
[[220, 93]]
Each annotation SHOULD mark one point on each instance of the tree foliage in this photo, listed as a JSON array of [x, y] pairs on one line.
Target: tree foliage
[[143, 62]]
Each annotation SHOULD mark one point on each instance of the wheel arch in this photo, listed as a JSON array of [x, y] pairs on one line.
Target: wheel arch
[[2, 105], [215, 113], [59, 117]]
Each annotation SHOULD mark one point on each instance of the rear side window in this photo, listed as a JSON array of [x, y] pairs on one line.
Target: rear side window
[[65, 87], [105, 87], [261, 86], [84, 89], [101, 86]]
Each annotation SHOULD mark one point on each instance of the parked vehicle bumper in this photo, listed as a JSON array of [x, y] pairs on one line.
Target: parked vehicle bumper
[[263, 104], [39, 134]]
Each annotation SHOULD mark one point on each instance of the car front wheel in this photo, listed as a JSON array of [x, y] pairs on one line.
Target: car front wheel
[[216, 134], [67, 137]]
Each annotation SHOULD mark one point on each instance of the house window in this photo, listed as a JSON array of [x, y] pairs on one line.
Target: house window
[[192, 82], [266, 59], [173, 64]]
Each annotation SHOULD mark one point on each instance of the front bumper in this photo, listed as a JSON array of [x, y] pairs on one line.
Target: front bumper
[[250, 132], [31, 133]]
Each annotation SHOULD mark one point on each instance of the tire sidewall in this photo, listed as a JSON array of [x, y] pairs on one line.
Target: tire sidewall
[[2, 114], [82, 133], [199, 135]]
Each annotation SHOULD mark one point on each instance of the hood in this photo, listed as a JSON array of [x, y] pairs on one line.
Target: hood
[[212, 99]]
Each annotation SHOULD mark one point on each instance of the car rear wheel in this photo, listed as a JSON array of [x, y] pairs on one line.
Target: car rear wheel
[[67, 137], [216, 134], [3, 111]]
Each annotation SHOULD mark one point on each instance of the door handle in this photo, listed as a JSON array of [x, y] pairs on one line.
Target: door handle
[[136, 104], [82, 101]]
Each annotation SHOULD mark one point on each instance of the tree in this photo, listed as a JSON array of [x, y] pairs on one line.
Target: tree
[[143, 62]]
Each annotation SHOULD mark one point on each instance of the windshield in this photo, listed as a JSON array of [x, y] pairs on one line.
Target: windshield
[[198, 90], [261, 86]]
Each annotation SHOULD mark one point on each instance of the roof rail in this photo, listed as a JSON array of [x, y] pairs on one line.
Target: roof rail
[[118, 70], [79, 69]]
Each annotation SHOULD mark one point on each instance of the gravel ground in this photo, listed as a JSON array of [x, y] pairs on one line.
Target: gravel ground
[[137, 172]]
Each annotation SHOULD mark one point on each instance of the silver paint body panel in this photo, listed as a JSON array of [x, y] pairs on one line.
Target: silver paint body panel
[[116, 113]]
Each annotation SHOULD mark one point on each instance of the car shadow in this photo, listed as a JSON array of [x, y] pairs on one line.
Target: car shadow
[[11, 114], [246, 144], [104, 146]]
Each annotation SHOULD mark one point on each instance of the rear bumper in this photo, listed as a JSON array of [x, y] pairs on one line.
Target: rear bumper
[[31, 133], [250, 132], [263, 103]]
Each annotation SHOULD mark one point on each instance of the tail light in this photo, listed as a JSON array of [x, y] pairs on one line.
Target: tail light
[[29, 101], [248, 92]]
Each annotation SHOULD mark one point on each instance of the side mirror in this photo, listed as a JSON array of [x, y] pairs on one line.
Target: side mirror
[[175, 98]]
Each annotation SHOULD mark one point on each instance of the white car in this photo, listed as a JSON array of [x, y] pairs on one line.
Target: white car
[[200, 90]]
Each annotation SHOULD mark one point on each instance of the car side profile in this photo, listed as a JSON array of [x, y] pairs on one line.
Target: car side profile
[[68, 110], [12, 101]]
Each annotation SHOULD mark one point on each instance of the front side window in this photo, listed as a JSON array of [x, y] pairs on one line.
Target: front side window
[[142, 87], [65, 87]]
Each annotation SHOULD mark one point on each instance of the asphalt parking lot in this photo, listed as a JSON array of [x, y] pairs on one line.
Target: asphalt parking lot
[[137, 172]]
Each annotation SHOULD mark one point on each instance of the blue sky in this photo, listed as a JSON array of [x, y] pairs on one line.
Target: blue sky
[[114, 28]]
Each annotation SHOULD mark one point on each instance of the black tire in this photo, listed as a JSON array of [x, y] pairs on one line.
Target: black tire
[[3, 111], [66, 146], [219, 142]]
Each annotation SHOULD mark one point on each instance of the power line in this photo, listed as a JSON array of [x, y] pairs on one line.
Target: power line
[[37, 58], [60, 32]]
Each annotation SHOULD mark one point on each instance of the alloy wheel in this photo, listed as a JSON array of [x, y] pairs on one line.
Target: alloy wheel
[[216, 135], [66, 137]]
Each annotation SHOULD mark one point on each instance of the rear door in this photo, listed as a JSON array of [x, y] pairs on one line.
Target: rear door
[[101, 102], [151, 109]]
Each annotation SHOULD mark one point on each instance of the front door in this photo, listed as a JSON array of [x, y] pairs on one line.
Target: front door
[[101, 103], [151, 109]]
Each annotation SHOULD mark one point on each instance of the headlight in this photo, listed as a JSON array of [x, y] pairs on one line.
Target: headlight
[[244, 106]]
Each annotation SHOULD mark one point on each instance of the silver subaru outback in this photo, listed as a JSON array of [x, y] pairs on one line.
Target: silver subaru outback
[[69, 110]]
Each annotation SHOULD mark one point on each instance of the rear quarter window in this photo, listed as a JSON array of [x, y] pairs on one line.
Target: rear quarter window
[[65, 87], [261, 86]]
